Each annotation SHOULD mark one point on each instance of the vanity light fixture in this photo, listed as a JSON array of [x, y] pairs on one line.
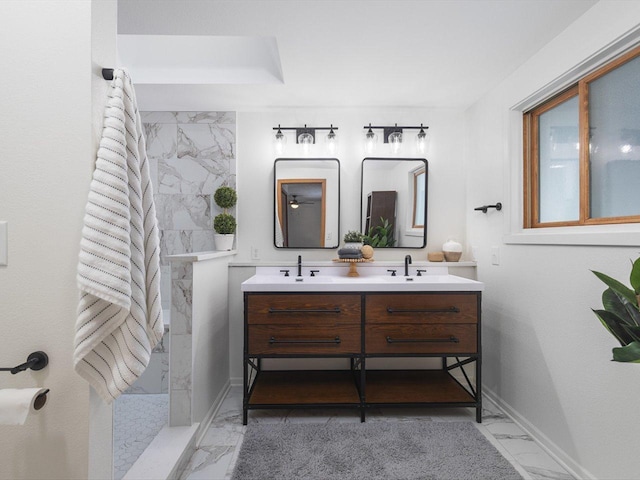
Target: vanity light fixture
[[306, 136], [394, 136]]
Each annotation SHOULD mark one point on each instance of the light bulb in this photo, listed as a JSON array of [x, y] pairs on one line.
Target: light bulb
[[370, 140], [422, 140], [280, 141], [395, 140], [305, 139], [332, 141]]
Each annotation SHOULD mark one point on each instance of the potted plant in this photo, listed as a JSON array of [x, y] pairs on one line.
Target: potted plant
[[224, 223], [380, 235], [353, 239], [621, 314]]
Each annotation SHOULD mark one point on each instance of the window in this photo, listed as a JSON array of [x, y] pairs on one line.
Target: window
[[419, 186], [582, 150]]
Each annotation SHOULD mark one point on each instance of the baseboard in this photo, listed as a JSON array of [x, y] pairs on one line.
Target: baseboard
[[237, 381], [213, 410], [553, 450]]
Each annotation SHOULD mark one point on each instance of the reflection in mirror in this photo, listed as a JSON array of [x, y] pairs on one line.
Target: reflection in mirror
[[307, 203], [394, 202]]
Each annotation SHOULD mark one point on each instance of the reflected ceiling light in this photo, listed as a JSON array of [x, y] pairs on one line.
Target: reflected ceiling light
[[280, 141], [306, 136], [394, 136]]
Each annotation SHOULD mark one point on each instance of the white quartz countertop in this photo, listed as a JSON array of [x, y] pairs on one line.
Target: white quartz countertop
[[436, 279]]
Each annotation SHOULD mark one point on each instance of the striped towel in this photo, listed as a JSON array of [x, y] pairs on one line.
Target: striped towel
[[119, 313]]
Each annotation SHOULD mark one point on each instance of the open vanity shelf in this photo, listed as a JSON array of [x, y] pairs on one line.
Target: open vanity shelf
[[360, 327]]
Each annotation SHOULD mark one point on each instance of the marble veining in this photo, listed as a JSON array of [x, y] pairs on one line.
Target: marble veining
[[216, 455], [190, 154]]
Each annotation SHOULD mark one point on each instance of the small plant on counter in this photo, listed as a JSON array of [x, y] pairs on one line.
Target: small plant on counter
[[381, 235], [224, 223], [353, 236], [621, 314]]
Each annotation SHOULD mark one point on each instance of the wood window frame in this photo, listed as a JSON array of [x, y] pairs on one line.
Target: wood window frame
[[531, 159]]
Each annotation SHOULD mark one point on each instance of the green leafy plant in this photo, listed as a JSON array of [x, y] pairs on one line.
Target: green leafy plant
[[225, 197], [225, 223], [621, 314], [380, 235], [353, 236]]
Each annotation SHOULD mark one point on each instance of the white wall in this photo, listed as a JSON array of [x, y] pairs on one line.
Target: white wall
[[255, 157], [210, 334], [46, 157], [547, 357]]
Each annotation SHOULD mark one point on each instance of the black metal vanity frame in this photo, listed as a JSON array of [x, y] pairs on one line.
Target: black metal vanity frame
[[252, 364]]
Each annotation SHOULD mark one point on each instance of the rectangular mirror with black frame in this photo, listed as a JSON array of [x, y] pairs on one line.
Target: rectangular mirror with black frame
[[394, 202], [306, 203]]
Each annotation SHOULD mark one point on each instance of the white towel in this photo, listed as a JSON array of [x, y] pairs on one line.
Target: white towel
[[119, 313]]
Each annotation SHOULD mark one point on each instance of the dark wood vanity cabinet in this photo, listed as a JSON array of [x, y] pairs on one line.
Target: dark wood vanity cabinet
[[359, 327]]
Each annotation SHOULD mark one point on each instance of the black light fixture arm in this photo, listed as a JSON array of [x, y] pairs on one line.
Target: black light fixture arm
[[484, 208]]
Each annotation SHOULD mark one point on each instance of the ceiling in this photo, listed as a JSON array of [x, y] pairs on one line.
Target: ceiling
[[353, 53]]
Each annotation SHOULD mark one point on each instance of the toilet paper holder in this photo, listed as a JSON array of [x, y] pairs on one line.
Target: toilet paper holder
[[35, 361]]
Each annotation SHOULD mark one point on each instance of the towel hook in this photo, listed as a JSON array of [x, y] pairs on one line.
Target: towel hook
[[35, 361]]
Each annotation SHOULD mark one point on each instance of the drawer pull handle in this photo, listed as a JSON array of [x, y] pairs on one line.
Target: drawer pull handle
[[425, 310], [273, 340], [451, 339], [305, 310]]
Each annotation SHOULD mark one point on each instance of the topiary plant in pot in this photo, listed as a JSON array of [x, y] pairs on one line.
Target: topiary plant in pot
[[224, 223], [621, 314]]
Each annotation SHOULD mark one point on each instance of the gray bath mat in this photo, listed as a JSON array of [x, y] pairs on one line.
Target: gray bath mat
[[371, 451]]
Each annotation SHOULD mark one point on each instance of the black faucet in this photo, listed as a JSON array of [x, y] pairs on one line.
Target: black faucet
[[407, 261], [299, 265]]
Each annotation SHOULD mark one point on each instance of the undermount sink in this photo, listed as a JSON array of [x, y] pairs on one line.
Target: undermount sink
[[374, 283]]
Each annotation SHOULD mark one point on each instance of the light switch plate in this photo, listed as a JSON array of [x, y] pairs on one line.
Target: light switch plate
[[4, 243]]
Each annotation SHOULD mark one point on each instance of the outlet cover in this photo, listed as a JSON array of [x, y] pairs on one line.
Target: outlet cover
[[495, 255]]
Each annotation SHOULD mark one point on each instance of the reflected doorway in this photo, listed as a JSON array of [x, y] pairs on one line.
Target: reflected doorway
[[301, 212]]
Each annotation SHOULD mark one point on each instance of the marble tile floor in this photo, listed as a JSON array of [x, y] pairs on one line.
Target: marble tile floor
[[216, 456], [137, 419]]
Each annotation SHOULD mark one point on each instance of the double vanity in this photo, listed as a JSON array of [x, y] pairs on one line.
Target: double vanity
[[362, 319]]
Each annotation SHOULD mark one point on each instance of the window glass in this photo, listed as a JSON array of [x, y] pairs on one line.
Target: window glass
[[418, 198], [559, 172], [614, 143]]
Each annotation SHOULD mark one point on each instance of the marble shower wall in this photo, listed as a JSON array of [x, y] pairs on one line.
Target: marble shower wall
[[190, 154]]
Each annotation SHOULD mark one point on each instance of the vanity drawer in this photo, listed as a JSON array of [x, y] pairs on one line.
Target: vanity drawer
[[426, 338], [422, 308], [290, 309], [337, 339]]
